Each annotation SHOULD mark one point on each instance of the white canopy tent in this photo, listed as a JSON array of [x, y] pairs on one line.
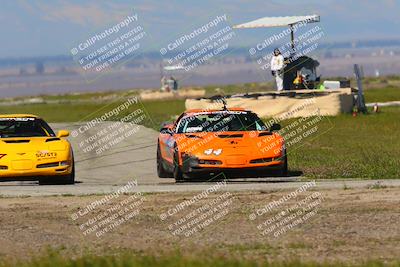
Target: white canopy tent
[[176, 67], [268, 22]]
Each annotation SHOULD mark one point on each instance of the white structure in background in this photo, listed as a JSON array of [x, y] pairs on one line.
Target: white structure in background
[[289, 71], [168, 82], [268, 22]]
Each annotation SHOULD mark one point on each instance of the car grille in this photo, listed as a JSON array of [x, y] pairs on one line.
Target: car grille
[[16, 141], [52, 139], [210, 162], [230, 135]]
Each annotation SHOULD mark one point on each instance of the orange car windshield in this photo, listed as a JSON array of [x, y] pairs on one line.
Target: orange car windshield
[[220, 122], [24, 127]]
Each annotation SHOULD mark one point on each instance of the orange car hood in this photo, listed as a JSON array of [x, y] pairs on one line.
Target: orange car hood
[[253, 143]]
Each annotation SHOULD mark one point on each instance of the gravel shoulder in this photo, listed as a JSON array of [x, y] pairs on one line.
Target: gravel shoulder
[[351, 225]]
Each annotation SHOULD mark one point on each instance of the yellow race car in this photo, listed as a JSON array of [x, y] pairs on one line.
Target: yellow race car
[[30, 150]]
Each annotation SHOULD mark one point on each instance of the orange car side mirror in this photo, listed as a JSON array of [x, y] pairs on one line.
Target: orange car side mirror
[[62, 133], [275, 127], [166, 130]]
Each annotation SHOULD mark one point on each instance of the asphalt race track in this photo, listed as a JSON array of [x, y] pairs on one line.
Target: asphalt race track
[[134, 159]]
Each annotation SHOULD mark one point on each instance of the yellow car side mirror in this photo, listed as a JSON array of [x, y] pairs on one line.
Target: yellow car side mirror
[[62, 133]]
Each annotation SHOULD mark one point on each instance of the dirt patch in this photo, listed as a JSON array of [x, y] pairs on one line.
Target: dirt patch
[[350, 225]]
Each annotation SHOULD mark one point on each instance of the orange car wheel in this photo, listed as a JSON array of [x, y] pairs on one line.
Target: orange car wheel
[[177, 170], [284, 170], [161, 172]]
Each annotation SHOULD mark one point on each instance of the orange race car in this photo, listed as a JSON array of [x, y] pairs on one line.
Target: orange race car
[[204, 143]]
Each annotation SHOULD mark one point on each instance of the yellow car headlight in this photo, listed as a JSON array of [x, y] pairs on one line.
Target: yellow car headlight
[[65, 163]]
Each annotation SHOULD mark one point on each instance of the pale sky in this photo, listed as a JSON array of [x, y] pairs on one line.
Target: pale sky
[[52, 27]]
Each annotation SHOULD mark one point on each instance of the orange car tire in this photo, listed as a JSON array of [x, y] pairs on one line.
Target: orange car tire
[[177, 170], [161, 172]]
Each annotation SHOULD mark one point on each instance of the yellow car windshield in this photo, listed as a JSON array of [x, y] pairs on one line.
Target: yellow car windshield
[[24, 127]]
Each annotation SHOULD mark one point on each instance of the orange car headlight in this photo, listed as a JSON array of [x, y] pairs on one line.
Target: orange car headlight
[[208, 151], [217, 152]]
